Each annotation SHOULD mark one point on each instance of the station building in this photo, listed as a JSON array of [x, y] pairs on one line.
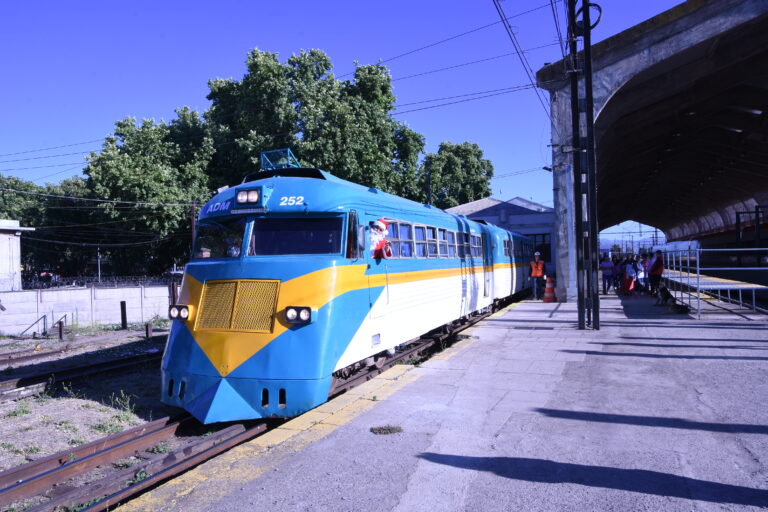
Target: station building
[[520, 215], [10, 254]]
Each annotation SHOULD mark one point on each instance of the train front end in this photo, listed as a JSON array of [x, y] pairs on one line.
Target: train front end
[[268, 304]]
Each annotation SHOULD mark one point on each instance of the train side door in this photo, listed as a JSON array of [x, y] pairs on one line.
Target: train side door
[[487, 249], [463, 251]]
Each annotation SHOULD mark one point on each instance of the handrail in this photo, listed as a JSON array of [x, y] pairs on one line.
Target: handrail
[[44, 318]]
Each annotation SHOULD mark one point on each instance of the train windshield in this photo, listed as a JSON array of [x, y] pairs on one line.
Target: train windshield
[[219, 239], [275, 236]]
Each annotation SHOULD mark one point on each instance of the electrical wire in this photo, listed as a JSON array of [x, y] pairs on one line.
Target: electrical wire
[[52, 147], [471, 63], [113, 201], [526, 65], [521, 88], [557, 27], [84, 244], [42, 166], [43, 157], [451, 38]]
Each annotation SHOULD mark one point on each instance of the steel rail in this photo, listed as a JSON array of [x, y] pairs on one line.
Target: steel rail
[[30, 354], [20, 387], [39, 476]]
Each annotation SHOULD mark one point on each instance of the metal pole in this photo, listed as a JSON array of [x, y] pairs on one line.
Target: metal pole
[[575, 144], [591, 171], [698, 283], [98, 261], [123, 315]]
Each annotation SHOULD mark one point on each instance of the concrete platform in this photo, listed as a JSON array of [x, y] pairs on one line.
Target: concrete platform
[[655, 411]]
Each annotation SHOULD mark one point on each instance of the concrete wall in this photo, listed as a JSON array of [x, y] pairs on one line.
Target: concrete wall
[[83, 306]]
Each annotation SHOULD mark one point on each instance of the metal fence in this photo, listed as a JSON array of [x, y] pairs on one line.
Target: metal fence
[[723, 273]]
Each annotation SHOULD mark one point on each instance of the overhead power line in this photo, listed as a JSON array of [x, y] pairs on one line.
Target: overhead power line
[[114, 201], [43, 157], [523, 60], [52, 147], [84, 244], [451, 38], [470, 63], [41, 166]]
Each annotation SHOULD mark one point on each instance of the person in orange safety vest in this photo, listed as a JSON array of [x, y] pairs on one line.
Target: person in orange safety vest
[[538, 274]]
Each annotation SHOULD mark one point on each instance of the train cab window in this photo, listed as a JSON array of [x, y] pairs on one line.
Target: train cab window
[[223, 239], [432, 242], [420, 233], [353, 242], [406, 240], [451, 237], [277, 236]]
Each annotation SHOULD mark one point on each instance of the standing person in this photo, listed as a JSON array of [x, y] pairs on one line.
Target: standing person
[[537, 274], [630, 275], [606, 267], [616, 274], [645, 264], [656, 271], [641, 275]]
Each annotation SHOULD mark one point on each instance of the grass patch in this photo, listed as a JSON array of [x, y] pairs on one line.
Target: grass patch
[[386, 430], [107, 428], [75, 441], [160, 448], [125, 463], [21, 409], [138, 477], [66, 426], [15, 450]]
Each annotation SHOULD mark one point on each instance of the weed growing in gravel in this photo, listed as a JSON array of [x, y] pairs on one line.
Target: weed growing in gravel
[[107, 428], [29, 450], [82, 506], [11, 448], [21, 409], [76, 441], [125, 463], [160, 448], [66, 426], [138, 477], [69, 390]]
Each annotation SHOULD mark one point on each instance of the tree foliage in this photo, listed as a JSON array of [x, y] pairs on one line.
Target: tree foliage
[[159, 169], [459, 174]]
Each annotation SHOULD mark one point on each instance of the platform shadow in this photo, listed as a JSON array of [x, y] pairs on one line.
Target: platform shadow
[[663, 356], [667, 345], [654, 421], [633, 480]]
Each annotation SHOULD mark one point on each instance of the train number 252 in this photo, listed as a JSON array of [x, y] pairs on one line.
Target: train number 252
[[291, 200]]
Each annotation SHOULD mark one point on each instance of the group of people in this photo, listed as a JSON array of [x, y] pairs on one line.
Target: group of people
[[633, 274]]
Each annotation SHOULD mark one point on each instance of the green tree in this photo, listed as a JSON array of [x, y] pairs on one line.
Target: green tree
[[162, 167], [459, 174]]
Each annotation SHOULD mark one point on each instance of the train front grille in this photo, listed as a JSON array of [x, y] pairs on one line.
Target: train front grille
[[242, 305]]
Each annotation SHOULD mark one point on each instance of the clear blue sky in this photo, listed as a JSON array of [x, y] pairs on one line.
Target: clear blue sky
[[71, 69]]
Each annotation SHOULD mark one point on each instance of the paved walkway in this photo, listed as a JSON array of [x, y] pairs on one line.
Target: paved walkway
[[656, 411]]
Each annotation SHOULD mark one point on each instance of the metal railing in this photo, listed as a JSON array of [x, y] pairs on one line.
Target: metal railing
[[713, 271]]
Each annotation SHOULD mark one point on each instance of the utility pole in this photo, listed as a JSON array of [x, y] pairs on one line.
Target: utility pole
[[584, 180], [98, 261]]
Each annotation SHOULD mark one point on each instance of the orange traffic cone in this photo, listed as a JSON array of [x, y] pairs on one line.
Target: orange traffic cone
[[549, 291]]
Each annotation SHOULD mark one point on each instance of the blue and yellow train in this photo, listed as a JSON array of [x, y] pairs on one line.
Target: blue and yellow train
[[300, 276]]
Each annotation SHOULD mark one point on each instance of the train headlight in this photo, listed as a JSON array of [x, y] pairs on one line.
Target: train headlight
[[253, 196], [298, 314], [178, 312], [242, 196]]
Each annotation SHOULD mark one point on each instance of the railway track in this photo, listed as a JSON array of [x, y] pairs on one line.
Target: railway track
[[52, 475], [31, 354], [28, 385]]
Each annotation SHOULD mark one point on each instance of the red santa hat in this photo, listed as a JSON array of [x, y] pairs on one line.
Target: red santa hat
[[381, 224]]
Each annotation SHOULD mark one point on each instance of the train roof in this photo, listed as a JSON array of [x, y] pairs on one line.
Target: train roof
[[321, 191]]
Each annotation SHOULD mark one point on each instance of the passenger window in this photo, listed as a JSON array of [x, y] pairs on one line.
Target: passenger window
[[451, 244], [432, 242], [420, 233], [406, 244], [442, 236]]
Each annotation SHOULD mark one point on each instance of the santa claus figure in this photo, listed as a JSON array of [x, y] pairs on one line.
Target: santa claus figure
[[380, 247]]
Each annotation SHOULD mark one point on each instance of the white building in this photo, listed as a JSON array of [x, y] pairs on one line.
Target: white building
[[520, 215], [10, 254]]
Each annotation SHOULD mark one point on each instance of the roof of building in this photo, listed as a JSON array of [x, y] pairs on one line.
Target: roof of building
[[515, 206], [12, 225]]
